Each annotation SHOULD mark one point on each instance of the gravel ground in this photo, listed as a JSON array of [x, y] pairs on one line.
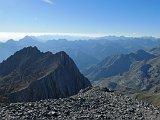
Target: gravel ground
[[89, 104]]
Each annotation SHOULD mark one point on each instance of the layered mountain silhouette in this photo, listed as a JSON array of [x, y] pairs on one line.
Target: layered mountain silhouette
[[31, 75], [143, 75], [84, 52], [141, 79], [115, 65]]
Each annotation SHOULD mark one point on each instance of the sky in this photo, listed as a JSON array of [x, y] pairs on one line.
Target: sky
[[88, 17]]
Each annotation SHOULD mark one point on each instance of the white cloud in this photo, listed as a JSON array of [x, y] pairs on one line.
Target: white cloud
[[4, 36], [134, 33], [48, 1]]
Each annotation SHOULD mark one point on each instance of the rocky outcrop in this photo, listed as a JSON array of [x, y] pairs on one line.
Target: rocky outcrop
[[33, 75], [88, 104]]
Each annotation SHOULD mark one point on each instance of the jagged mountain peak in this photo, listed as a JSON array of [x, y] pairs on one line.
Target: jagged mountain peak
[[10, 41], [26, 38], [23, 54], [28, 41], [29, 49], [31, 55], [52, 75]]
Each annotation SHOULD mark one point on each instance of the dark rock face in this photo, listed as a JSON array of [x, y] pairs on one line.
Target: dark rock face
[[30, 75], [88, 104]]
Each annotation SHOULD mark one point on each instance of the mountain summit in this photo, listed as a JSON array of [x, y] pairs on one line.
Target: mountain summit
[[30, 75]]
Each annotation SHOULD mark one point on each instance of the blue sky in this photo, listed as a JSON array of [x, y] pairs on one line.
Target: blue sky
[[111, 17]]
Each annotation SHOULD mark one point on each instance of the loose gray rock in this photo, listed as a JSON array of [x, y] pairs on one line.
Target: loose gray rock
[[89, 104]]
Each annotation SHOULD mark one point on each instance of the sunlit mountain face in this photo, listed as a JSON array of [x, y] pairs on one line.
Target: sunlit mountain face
[[79, 59]]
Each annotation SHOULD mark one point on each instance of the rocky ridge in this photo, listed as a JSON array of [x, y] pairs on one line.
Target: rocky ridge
[[31, 75], [116, 64], [90, 103]]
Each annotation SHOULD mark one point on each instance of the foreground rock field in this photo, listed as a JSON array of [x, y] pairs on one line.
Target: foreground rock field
[[89, 104]]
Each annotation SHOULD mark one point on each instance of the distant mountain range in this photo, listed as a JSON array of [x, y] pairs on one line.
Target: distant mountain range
[[137, 73], [84, 52], [31, 75], [115, 65], [127, 65]]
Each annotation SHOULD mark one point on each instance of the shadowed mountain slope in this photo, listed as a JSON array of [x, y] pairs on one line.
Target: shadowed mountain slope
[[31, 75]]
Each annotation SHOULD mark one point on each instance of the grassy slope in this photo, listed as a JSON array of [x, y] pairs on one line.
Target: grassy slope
[[153, 98]]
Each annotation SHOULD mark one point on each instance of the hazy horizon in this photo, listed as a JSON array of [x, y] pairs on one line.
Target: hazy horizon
[[5, 36], [133, 18]]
